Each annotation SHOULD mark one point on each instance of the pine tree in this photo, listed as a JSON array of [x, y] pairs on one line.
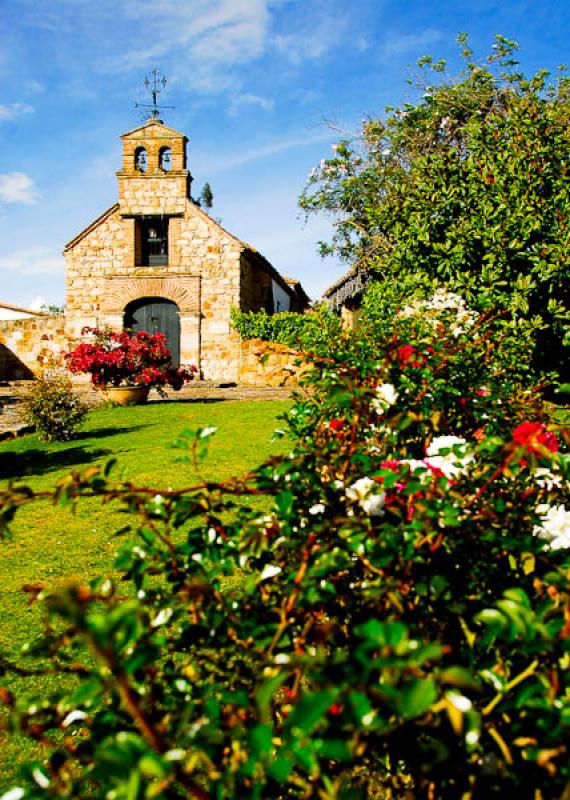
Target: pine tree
[[207, 197]]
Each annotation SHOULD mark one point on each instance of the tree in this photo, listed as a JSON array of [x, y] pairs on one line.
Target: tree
[[468, 186], [207, 196]]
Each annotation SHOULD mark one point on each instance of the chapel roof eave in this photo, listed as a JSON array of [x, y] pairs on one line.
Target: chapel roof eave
[[82, 234], [10, 307], [291, 286], [288, 284], [346, 288]]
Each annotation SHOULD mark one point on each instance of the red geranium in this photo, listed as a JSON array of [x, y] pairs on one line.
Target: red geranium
[[127, 358]]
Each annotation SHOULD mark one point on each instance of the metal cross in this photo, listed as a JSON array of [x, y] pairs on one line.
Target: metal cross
[[153, 82]]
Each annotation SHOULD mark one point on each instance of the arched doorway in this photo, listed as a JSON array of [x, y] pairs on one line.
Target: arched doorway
[[156, 315]]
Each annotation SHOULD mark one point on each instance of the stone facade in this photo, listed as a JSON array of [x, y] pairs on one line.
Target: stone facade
[[113, 264], [30, 346], [268, 364]]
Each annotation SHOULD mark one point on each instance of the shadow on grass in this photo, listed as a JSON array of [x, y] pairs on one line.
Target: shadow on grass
[[14, 466], [101, 433], [203, 400]]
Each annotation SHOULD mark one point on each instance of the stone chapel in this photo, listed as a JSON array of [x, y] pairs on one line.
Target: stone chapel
[[156, 261]]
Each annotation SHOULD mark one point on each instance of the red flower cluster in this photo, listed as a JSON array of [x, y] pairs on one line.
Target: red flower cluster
[[408, 356], [534, 437], [395, 496], [127, 358]]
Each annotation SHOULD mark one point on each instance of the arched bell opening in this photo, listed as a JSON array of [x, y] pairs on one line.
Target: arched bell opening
[[156, 315], [165, 159], [140, 159]]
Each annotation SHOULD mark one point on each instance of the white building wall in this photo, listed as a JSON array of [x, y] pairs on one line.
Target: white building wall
[[281, 299]]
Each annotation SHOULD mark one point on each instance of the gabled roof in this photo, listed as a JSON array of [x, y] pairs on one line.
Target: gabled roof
[[165, 131], [90, 227], [289, 284]]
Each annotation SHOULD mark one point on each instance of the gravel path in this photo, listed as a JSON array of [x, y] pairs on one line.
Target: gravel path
[[11, 424]]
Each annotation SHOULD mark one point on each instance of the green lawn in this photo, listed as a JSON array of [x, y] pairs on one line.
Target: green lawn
[[52, 544]]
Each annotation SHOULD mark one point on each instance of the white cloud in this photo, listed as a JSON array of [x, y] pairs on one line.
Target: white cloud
[[200, 43], [395, 45], [35, 87], [17, 187], [248, 99], [14, 110], [207, 36], [34, 261], [313, 41]]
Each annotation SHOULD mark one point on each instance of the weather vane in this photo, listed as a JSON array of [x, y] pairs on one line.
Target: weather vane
[[155, 83]]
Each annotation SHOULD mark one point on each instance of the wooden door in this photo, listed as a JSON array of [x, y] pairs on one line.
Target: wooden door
[[156, 315]]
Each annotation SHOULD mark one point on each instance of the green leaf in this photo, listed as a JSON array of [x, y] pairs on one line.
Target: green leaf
[[265, 693], [382, 633], [335, 749], [260, 740], [280, 769], [310, 710], [416, 698]]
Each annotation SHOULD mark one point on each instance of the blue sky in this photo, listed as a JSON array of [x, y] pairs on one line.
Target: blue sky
[[254, 82]]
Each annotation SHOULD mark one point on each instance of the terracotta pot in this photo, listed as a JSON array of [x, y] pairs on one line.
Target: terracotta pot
[[126, 395]]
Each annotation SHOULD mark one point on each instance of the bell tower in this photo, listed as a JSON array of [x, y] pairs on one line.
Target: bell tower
[[154, 178]]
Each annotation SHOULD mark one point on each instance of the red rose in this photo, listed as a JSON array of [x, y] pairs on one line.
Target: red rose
[[405, 354], [534, 437], [336, 424], [408, 356]]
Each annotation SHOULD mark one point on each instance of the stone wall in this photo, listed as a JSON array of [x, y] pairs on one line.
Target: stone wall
[[159, 194], [28, 347], [208, 250], [268, 364]]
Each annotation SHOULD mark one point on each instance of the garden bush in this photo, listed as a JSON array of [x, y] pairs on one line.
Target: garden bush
[[302, 331], [53, 407], [395, 623]]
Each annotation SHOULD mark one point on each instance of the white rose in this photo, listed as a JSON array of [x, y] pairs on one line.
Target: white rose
[[269, 571], [555, 527], [359, 490], [451, 463], [365, 493], [386, 396], [373, 505]]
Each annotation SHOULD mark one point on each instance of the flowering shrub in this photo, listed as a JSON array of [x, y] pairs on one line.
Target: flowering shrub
[[53, 408], [127, 358], [395, 622]]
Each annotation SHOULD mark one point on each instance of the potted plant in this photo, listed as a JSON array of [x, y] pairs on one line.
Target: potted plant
[[127, 364]]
